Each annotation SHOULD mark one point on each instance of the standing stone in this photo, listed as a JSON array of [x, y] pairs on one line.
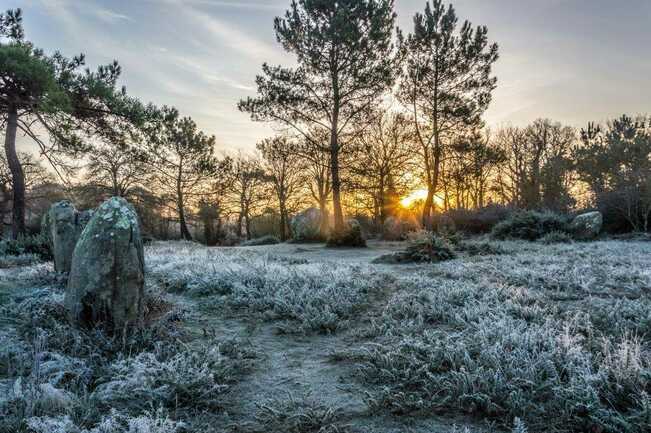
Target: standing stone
[[106, 281], [306, 226], [60, 226], [587, 226], [397, 229]]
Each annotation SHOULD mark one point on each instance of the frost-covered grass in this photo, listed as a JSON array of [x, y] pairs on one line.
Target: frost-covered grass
[[7, 261], [555, 336], [521, 336], [298, 415], [57, 378], [307, 297]]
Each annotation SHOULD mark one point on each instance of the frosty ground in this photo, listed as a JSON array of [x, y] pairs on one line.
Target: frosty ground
[[509, 336]]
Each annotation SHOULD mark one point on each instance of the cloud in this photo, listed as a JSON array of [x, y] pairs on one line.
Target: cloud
[[110, 16], [195, 66], [254, 5], [232, 37]]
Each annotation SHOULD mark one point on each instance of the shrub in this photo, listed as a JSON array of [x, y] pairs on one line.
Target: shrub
[[265, 240], [37, 245], [478, 221], [298, 416], [530, 225], [351, 236], [424, 247]]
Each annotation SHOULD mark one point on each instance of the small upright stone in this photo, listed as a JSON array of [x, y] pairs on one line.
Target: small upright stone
[[60, 226], [587, 226], [106, 281], [306, 226]]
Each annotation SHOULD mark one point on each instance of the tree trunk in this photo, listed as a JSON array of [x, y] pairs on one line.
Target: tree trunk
[[240, 219], [185, 233], [323, 207], [247, 224], [17, 175], [283, 223], [336, 181]]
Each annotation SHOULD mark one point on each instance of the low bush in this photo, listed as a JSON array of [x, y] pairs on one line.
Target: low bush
[[265, 240], [478, 221], [530, 225], [350, 237], [36, 245], [424, 247], [293, 415]]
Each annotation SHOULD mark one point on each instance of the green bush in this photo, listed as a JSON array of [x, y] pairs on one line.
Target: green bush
[[424, 247], [530, 225], [350, 237], [37, 245]]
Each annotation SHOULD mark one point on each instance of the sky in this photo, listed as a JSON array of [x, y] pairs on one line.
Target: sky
[[572, 61]]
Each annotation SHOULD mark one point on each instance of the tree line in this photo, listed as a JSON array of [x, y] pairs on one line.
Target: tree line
[[367, 114]]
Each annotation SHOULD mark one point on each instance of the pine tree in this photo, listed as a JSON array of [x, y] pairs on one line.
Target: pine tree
[[446, 84], [183, 160], [345, 62], [52, 94]]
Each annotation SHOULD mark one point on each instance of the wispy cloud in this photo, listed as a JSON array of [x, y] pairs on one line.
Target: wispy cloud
[[110, 16], [195, 65], [235, 4], [232, 37]]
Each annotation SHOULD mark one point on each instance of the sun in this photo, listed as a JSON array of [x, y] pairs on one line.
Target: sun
[[419, 194]]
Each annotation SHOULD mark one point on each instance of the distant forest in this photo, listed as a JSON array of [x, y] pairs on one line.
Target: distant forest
[[375, 123]]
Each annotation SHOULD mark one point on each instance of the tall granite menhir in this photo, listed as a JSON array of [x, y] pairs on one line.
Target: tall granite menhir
[[106, 281]]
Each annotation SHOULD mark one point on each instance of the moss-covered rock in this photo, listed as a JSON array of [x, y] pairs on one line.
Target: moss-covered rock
[[587, 226], [306, 226], [107, 274]]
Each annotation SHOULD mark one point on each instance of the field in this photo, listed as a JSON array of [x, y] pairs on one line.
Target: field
[[509, 336]]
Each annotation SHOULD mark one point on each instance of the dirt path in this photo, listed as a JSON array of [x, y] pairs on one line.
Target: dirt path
[[299, 367]]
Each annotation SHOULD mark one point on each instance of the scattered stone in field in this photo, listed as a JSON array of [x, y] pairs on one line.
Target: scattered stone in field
[[107, 275], [62, 224], [587, 226], [306, 226], [396, 229]]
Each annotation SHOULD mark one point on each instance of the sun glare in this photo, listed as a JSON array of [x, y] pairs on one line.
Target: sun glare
[[420, 194]]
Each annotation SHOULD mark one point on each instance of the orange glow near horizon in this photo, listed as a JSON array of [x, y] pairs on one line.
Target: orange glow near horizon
[[418, 195]]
